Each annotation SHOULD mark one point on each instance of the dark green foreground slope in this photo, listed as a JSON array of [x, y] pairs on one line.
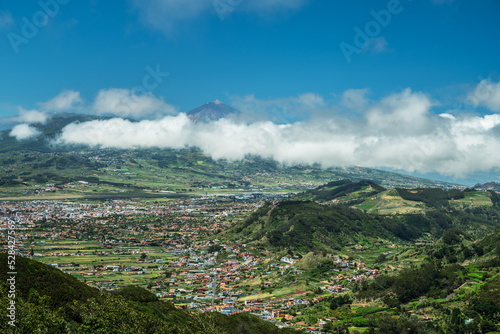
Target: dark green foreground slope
[[50, 301]]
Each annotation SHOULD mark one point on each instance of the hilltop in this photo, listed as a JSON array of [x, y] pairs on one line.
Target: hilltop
[[85, 172], [307, 226], [212, 111], [395, 215], [80, 172]]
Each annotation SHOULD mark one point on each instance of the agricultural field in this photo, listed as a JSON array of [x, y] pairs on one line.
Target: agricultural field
[[390, 203], [95, 264]]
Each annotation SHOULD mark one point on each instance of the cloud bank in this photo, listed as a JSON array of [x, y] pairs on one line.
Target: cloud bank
[[399, 131]]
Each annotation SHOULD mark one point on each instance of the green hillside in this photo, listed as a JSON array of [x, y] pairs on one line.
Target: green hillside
[[304, 225], [49, 301], [455, 289], [440, 266], [451, 285]]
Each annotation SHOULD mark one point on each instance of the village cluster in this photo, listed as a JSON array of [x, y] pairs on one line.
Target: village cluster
[[168, 247]]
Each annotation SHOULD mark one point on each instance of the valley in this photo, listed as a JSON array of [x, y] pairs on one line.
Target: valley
[[310, 258], [300, 247], [249, 167]]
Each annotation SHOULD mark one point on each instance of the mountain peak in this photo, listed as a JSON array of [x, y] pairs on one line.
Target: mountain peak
[[211, 112]]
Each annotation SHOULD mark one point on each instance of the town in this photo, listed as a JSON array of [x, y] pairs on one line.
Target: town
[[176, 249]]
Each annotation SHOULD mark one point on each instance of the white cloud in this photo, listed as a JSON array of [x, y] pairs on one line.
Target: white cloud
[[125, 103], [398, 131], [119, 133], [24, 131], [166, 15], [486, 93], [405, 113], [31, 116], [447, 116], [6, 20], [310, 100], [376, 45], [355, 99], [66, 100]]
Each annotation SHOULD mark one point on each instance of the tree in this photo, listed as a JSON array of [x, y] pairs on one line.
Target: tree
[[381, 258], [451, 236], [335, 329], [214, 248], [337, 302], [400, 325]]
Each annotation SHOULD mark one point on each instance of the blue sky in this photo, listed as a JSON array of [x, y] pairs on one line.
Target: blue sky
[[162, 57], [269, 51]]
